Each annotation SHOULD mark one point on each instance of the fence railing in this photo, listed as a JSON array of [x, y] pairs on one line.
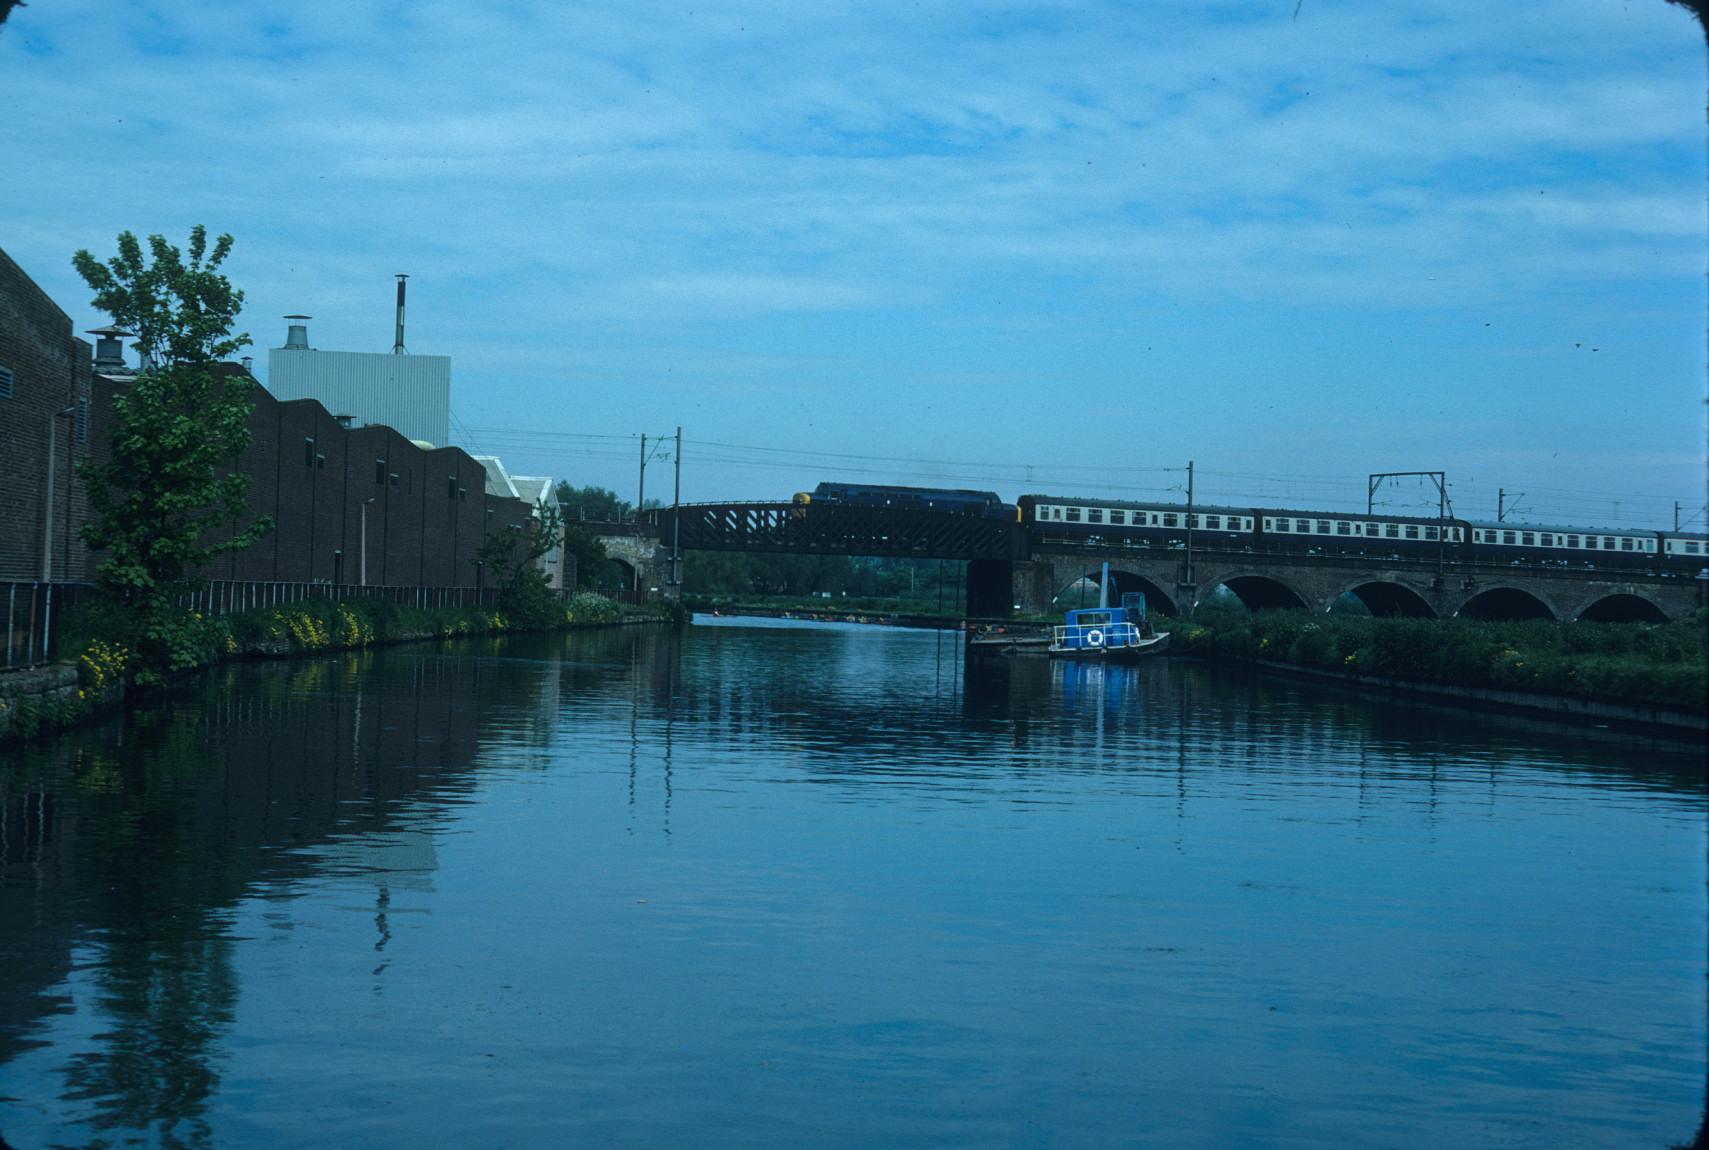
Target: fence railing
[[228, 596], [34, 614]]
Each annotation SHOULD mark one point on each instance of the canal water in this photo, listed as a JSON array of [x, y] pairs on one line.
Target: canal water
[[779, 885]]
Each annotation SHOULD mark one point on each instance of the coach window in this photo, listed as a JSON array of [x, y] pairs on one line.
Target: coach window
[[1509, 538], [1213, 522], [1073, 515], [1692, 548], [1430, 533], [1530, 538], [1169, 519], [1342, 527], [1546, 539], [1119, 518], [1572, 540], [1412, 531], [1094, 514], [1391, 530]]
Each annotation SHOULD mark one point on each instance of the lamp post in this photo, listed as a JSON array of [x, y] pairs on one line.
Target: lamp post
[[365, 503], [47, 509]]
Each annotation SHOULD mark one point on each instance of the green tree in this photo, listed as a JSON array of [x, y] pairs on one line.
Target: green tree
[[168, 487], [511, 555]]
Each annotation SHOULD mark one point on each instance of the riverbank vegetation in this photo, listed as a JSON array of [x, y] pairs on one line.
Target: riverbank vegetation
[[1662, 664]]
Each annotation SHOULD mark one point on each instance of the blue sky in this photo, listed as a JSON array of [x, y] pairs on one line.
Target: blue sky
[[1033, 247]]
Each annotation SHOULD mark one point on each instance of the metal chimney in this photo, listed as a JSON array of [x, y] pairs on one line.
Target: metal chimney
[[109, 348], [398, 343], [297, 334]]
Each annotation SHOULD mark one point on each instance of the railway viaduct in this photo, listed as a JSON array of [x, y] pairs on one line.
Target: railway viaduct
[[1403, 587]]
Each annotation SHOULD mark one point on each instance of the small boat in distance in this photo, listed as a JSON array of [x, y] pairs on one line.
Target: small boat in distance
[[1108, 634]]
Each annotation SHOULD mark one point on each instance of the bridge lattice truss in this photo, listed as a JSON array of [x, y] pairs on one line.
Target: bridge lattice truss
[[831, 529]]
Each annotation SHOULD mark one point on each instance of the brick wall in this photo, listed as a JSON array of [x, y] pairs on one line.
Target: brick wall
[[50, 371]]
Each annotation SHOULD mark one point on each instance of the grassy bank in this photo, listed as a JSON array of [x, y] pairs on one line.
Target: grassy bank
[[1661, 664], [96, 643]]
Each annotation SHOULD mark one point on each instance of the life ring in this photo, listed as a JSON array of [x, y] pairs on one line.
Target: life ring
[[1094, 638]]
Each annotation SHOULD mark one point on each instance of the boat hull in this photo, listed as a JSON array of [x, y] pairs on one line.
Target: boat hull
[[1126, 653]]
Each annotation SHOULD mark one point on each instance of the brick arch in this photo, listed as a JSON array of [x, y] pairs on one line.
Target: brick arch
[[1391, 598], [1623, 607], [1504, 601], [1257, 591], [1122, 582]]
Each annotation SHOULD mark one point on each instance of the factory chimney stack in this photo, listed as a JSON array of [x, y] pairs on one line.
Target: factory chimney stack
[[398, 343]]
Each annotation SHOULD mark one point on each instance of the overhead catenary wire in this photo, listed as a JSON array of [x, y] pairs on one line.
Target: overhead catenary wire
[[1304, 491]]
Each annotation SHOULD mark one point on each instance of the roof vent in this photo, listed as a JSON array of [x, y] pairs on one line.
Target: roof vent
[[109, 348], [297, 334]]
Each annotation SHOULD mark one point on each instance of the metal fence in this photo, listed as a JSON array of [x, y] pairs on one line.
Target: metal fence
[[34, 614], [227, 596]]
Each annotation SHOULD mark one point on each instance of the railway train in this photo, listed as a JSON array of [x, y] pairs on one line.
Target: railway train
[[1107, 522], [985, 504], [1112, 522]]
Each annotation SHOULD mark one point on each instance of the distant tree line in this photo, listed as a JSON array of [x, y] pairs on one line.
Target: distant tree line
[[728, 573], [595, 502]]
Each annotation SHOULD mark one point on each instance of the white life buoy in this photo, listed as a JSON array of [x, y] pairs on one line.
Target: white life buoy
[[1094, 638]]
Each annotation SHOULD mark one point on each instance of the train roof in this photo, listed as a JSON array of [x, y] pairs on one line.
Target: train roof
[[1153, 505], [1559, 528]]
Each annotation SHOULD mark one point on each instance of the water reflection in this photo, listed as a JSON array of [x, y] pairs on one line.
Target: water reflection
[[124, 848], [784, 785]]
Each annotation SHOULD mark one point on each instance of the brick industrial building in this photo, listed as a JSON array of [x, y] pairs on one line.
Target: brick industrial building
[[422, 513]]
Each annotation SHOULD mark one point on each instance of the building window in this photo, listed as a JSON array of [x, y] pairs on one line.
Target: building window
[[308, 451], [83, 421], [450, 487], [5, 383], [380, 471]]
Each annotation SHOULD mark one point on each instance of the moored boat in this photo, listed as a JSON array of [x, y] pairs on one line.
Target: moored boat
[[1108, 634]]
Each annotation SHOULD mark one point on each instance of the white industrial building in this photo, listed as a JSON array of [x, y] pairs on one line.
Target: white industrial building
[[411, 393], [540, 492]]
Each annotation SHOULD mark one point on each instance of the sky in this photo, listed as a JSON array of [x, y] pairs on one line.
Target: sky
[[1057, 248]]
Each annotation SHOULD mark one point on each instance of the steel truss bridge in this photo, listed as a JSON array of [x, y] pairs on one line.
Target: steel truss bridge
[[839, 529]]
